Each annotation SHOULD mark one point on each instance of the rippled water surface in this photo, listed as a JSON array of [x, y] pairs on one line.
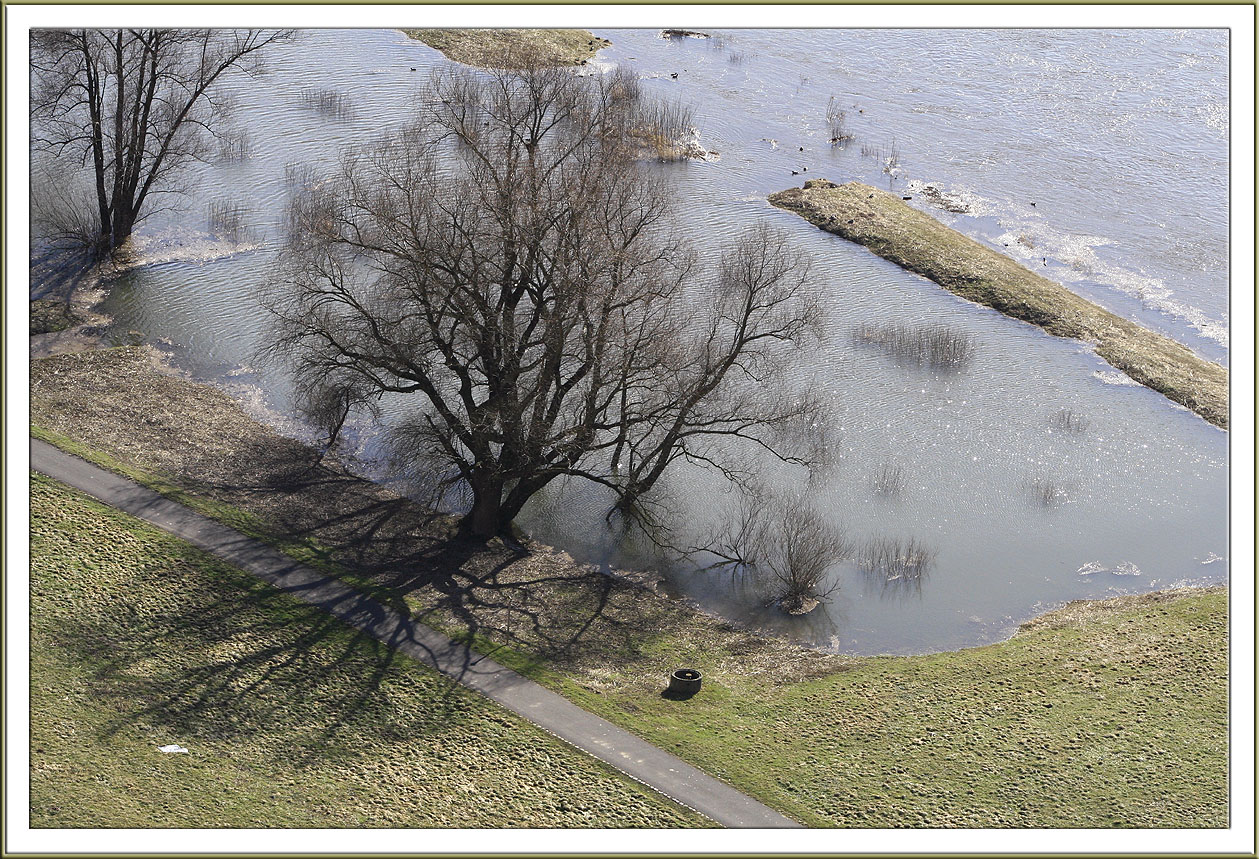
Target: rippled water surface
[[1118, 137]]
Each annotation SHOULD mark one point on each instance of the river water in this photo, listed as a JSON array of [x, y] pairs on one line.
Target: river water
[[1119, 138]]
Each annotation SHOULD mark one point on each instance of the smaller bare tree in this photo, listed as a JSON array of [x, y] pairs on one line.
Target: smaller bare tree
[[786, 543], [135, 104]]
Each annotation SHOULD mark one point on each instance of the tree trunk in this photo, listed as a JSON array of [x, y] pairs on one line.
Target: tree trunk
[[485, 519], [123, 224]]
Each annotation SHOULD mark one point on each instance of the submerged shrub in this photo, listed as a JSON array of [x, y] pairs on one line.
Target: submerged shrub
[[894, 561], [1048, 493], [836, 122], [329, 102], [1070, 421], [889, 479], [227, 220], [935, 345], [235, 145]]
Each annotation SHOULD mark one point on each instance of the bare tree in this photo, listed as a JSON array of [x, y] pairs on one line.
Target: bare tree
[[510, 260], [785, 543], [136, 105]]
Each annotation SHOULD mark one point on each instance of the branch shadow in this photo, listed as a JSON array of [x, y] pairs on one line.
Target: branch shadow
[[413, 559], [241, 661]]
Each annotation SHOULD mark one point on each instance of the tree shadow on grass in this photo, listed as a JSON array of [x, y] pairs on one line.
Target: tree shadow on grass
[[415, 561], [235, 661]]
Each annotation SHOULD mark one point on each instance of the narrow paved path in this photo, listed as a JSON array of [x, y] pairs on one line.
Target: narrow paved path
[[636, 758]]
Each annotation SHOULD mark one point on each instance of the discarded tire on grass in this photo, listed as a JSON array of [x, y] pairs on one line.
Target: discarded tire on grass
[[685, 681]]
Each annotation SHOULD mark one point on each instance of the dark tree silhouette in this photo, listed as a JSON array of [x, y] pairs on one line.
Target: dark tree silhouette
[[510, 260], [134, 104]]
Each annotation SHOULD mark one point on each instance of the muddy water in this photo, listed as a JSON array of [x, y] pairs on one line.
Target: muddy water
[[1118, 138]]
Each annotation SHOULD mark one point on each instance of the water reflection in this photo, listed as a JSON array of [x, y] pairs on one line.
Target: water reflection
[[1014, 467]]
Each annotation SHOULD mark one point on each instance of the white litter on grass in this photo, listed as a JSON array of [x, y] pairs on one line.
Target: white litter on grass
[[173, 749]]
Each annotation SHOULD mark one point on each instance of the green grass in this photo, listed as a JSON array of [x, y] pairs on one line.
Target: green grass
[[914, 240], [491, 48], [291, 719], [1115, 718]]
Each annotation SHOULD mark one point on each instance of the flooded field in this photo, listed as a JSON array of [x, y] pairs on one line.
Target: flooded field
[[1030, 474]]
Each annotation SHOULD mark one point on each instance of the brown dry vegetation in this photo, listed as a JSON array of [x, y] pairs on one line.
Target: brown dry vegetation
[[885, 224], [492, 48], [194, 443]]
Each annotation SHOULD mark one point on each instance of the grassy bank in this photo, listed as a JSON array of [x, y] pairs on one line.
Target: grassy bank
[[1109, 713], [487, 48], [291, 719], [885, 224]]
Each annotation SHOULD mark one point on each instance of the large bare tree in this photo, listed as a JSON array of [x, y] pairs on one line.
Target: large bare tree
[[510, 260], [135, 104]]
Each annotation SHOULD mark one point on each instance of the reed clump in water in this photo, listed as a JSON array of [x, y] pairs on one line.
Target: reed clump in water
[[235, 145], [895, 561], [914, 240], [837, 122], [1068, 420], [888, 155], [1048, 493], [934, 345], [889, 479], [227, 220], [299, 175], [329, 102], [667, 128]]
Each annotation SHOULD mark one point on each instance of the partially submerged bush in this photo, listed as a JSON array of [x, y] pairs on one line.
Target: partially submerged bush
[[235, 145], [895, 561], [299, 175], [836, 122], [889, 156], [1070, 421], [227, 220], [1048, 493], [889, 479], [328, 102], [787, 545], [935, 345]]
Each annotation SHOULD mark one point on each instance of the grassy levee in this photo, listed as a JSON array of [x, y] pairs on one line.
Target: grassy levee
[[291, 719], [490, 48], [1110, 713], [885, 224]]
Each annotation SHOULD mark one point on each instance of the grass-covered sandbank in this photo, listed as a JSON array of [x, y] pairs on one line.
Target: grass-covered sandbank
[[914, 240], [1110, 713], [488, 48], [290, 718]]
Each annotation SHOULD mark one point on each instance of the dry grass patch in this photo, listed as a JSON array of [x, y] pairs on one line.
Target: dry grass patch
[[885, 224], [495, 48]]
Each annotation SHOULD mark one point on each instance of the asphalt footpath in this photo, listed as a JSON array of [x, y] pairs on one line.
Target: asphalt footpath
[[556, 715]]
